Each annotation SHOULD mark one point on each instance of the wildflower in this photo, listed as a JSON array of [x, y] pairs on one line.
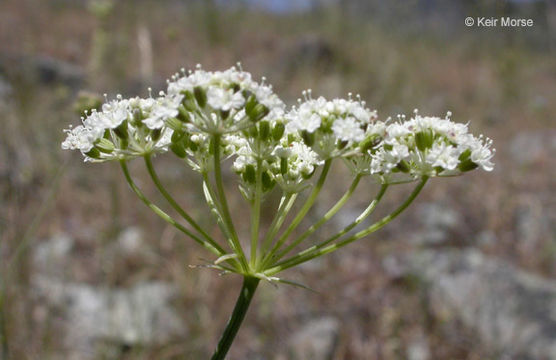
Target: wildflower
[[428, 146], [330, 128]]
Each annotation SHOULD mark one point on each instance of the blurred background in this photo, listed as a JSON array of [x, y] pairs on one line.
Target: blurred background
[[468, 272]]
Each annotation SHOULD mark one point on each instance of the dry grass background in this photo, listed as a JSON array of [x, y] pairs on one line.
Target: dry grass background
[[502, 84]]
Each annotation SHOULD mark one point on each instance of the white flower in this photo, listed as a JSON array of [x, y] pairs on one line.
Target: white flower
[[348, 129], [241, 162], [443, 155], [304, 120], [224, 99], [159, 110], [114, 113], [79, 138]]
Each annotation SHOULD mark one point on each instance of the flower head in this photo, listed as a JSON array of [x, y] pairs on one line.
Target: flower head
[[426, 146], [330, 128]]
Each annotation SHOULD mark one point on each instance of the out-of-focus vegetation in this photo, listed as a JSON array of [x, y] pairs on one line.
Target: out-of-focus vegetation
[[397, 55]]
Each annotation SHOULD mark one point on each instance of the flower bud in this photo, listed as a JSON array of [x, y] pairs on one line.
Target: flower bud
[[283, 165], [155, 134], [93, 153], [250, 105], [177, 135], [249, 174], [188, 101], [258, 112], [268, 182], [307, 176], [183, 115], [174, 124], [253, 132], [200, 96], [308, 138], [424, 139], [137, 117], [121, 130], [264, 130], [224, 114], [278, 131], [403, 166], [178, 149], [104, 145], [465, 163], [369, 142]]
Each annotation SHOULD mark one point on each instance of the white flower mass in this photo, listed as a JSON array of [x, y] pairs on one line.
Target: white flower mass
[[257, 130]]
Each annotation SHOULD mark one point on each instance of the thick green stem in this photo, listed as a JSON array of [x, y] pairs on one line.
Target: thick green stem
[[224, 203], [320, 250], [240, 309], [301, 214], [329, 214], [176, 206], [162, 214]]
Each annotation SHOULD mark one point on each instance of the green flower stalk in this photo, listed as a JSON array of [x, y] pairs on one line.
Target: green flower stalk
[[206, 118]]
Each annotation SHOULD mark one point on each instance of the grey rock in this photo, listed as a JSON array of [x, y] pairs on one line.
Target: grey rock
[[418, 349], [130, 243], [50, 256], [528, 147], [315, 340], [44, 69], [437, 223], [513, 312], [92, 316], [50, 70]]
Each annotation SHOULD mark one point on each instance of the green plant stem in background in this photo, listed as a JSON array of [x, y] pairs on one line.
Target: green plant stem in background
[[323, 220], [300, 215], [224, 203], [240, 309], [162, 214], [320, 250], [176, 206]]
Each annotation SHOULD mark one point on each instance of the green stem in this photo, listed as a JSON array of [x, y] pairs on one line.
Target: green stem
[[368, 211], [162, 214], [240, 309], [176, 206], [224, 203], [301, 214], [347, 195], [256, 214], [320, 250], [284, 208]]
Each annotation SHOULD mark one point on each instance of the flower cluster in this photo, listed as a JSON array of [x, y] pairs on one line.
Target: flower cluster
[[330, 128], [422, 146], [123, 128], [269, 145]]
